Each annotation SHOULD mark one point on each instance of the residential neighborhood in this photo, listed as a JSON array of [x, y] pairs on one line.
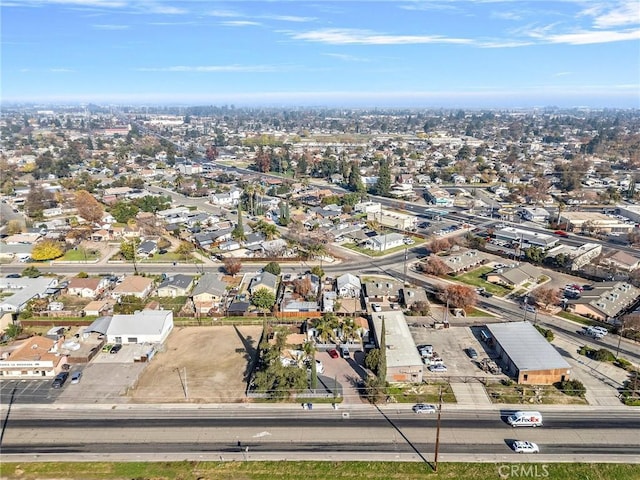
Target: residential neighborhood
[[355, 250]]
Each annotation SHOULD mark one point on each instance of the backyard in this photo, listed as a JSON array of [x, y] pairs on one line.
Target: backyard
[[475, 278]]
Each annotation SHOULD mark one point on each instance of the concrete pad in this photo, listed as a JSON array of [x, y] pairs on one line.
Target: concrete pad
[[470, 393]]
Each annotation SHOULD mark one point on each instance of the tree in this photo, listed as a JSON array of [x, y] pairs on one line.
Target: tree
[[263, 298], [355, 181], [546, 296], [82, 275], [439, 245], [420, 308], [128, 304], [88, 207], [317, 270], [37, 200], [124, 211], [273, 268], [458, 296], [14, 226], [372, 359], [232, 266], [302, 286], [434, 266], [269, 230], [238, 230], [185, 249], [383, 186], [47, 250], [534, 254], [13, 330], [381, 371], [128, 249], [31, 272]]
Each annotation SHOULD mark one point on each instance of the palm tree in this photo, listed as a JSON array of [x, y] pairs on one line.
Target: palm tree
[[249, 190], [316, 250]]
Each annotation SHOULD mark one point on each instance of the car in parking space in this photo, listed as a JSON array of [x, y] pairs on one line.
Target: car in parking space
[[116, 348], [333, 353], [437, 368], [107, 348], [521, 446], [424, 408], [472, 353], [75, 377], [376, 307], [58, 382], [345, 352]]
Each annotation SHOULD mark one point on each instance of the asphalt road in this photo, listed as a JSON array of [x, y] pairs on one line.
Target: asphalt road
[[65, 433]]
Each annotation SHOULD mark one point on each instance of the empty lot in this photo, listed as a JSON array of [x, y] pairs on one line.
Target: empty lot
[[200, 364]]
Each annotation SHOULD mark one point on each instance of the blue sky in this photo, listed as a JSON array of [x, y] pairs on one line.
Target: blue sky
[[422, 53]]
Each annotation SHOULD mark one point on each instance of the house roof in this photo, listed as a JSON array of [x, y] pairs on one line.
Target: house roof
[[264, 279], [146, 322], [610, 298], [527, 349], [100, 325], [134, 284], [177, 281], [210, 283], [90, 283], [348, 279]]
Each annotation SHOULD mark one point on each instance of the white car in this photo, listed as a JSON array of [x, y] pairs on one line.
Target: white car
[[376, 307], [424, 408], [437, 368], [520, 446]]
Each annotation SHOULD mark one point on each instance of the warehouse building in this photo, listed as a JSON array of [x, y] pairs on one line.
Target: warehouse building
[[404, 363], [526, 355]]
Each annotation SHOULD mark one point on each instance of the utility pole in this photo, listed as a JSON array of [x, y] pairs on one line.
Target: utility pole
[[406, 253], [186, 387], [619, 338], [435, 458]]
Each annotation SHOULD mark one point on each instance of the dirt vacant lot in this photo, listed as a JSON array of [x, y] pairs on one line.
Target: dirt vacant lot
[[209, 364]]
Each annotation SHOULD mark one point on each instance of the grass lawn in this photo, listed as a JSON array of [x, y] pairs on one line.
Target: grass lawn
[[474, 312], [79, 255], [576, 318], [421, 393], [187, 470], [171, 303], [522, 394], [372, 253], [474, 277]]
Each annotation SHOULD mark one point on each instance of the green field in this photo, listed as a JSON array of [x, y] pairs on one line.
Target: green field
[[314, 471]]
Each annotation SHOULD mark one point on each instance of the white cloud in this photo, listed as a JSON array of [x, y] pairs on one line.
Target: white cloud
[[590, 37], [240, 23], [110, 27], [562, 74], [336, 36], [223, 13], [288, 18], [214, 68], [507, 15], [614, 14], [346, 58], [163, 9]]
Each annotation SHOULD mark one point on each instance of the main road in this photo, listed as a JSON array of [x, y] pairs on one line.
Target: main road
[[201, 432]]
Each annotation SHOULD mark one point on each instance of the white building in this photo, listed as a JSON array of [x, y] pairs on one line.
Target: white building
[[147, 326]]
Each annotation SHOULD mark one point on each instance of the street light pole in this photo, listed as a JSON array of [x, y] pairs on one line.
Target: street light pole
[[619, 338]]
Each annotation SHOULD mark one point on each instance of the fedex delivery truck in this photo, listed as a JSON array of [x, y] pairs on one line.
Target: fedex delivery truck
[[525, 419]]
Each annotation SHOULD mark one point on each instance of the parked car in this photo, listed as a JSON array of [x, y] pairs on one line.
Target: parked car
[[424, 408], [107, 348], [58, 382], [116, 348], [333, 353], [345, 352], [520, 446], [437, 368], [75, 378], [376, 307], [13, 275], [472, 352]]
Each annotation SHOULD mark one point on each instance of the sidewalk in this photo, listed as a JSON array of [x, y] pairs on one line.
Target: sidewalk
[[470, 394]]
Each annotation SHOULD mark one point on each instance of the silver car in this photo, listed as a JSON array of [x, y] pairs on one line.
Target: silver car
[[520, 446]]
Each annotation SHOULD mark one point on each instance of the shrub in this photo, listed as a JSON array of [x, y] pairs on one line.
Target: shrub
[[603, 355], [623, 364], [573, 388]]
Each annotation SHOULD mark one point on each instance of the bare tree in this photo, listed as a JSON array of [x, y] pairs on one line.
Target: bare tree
[[232, 266], [458, 296], [434, 266], [546, 296]]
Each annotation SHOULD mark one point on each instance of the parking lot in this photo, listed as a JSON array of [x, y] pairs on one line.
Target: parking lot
[[25, 391], [347, 372], [451, 345]]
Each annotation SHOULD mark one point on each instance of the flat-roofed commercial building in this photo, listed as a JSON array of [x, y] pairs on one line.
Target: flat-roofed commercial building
[[403, 360], [526, 355]]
